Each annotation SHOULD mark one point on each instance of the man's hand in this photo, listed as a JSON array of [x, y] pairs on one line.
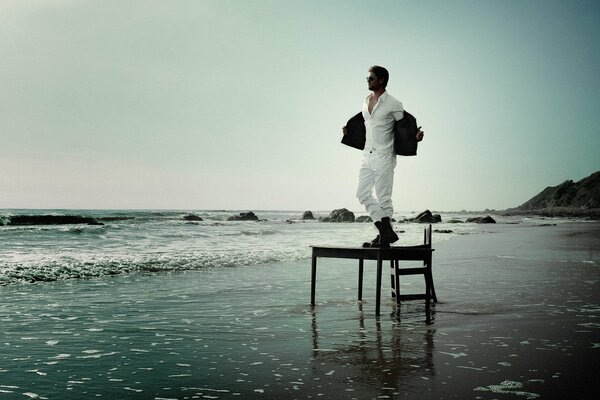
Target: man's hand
[[420, 134], [344, 130]]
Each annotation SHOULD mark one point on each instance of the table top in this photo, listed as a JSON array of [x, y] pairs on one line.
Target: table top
[[374, 253]]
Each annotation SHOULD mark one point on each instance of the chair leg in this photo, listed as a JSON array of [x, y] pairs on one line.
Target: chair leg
[[397, 280], [432, 288], [393, 278], [430, 278]]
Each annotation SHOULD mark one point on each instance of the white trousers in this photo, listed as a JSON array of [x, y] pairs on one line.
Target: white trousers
[[376, 172]]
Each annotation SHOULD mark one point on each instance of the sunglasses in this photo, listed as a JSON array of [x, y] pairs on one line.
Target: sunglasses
[[370, 78]]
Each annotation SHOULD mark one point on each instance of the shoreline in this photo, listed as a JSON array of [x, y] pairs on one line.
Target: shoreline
[[556, 212]]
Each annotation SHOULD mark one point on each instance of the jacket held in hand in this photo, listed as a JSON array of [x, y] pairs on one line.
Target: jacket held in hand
[[405, 134]]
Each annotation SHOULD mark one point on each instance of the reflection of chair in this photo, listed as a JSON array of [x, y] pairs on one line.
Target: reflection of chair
[[395, 254]]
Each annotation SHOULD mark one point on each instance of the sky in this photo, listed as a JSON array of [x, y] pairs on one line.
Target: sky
[[239, 104]]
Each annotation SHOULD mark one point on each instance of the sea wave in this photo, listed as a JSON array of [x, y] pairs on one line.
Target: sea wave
[[69, 268]]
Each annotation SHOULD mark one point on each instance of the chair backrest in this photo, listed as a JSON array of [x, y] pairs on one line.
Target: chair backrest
[[427, 238]]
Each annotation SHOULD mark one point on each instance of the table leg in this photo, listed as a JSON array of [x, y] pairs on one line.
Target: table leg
[[361, 265], [313, 280], [378, 293], [397, 278]]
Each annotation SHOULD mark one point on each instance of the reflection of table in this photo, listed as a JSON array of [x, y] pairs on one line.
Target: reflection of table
[[390, 354], [394, 254]]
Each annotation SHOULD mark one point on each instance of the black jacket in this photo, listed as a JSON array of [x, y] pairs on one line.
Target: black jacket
[[405, 134]]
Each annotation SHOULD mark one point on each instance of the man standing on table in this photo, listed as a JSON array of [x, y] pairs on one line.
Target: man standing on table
[[380, 111]]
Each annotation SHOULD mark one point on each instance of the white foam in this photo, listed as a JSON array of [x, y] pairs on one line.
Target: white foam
[[455, 355], [508, 387]]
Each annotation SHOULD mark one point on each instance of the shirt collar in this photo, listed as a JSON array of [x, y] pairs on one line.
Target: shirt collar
[[382, 98]]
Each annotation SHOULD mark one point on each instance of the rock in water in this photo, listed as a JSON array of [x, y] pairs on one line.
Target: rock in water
[[308, 215], [482, 220], [341, 215], [245, 216], [426, 217], [52, 220], [192, 217], [364, 218]]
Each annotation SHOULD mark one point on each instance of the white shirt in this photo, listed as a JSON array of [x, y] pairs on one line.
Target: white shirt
[[380, 123]]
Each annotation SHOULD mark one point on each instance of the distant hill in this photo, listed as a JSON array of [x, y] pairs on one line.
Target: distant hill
[[567, 199]]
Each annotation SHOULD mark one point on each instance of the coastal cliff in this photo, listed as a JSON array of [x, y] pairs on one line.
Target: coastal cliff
[[577, 199]]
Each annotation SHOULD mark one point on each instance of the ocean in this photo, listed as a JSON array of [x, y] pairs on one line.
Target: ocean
[[154, 241]]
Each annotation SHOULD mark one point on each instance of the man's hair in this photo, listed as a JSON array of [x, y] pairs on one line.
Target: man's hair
[[381, 73]]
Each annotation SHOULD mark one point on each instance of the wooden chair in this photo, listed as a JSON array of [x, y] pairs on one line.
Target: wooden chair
[[425, 270]]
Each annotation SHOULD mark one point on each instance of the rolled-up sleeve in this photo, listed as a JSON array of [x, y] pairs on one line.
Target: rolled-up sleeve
[[398, 111]]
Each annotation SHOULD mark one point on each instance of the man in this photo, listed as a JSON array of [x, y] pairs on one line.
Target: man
[[380, 111]]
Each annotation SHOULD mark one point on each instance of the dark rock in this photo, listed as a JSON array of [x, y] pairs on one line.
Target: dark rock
[[192, 217], [308, 215], [455, 221], [110, 219], [426, 217], [245, 216], [52, 220], [364, 218], [341, 215], [482, 220], [443, 231]]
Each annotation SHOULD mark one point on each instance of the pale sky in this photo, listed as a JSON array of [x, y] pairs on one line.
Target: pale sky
[[239, 104]]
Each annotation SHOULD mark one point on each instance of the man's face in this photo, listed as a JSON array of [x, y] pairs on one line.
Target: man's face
[[373, 82]]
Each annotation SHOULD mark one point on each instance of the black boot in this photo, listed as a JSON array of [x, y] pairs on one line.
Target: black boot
[[378, 241], [372, 243], [386, 232]]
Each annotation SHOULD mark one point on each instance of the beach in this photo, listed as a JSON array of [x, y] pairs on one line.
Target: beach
[[517, 317]]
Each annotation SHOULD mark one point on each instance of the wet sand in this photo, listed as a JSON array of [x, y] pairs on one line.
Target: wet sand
[[518, 317]]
